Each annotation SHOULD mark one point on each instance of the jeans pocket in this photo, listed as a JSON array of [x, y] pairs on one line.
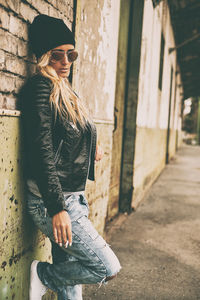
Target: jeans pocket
[[75, 208], [33, 209], [84, 201], [70, 203]]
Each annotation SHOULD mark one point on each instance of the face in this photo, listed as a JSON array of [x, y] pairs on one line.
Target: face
[[61, 59]]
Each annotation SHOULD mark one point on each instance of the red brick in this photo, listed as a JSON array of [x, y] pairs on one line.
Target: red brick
[[8, 41], [27, 12], [7, 82], [18, 27], [4, 18]]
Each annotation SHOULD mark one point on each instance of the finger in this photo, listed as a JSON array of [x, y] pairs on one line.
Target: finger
[[101, 153], [55, 234], [59, 237], [64, 237], [69, 235], [98, 157]]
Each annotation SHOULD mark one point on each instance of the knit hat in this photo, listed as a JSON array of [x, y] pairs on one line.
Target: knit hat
[[46, 33]]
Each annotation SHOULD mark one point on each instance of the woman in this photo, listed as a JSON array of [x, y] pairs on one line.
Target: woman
[[60, 143]]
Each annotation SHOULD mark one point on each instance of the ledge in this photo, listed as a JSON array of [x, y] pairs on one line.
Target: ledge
[[99, 121], [17, 113], [9, 112]]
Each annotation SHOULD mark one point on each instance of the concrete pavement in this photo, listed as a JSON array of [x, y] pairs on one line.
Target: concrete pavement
[[159, 244]]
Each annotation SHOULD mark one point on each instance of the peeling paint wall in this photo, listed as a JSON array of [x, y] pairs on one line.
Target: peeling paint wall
[[94, 80], [153, 103], [97, 40]]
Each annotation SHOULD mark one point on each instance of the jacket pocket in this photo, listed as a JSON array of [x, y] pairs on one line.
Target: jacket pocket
[[57, 155]]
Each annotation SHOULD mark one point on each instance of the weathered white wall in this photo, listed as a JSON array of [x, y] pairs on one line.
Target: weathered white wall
[[154, 21], [94, 79], [153, 103]]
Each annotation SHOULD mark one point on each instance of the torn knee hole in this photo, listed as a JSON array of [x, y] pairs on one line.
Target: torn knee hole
[[110, 277]]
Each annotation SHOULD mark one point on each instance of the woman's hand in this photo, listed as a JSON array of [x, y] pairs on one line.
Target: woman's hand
[[62, 228], [99, 153]]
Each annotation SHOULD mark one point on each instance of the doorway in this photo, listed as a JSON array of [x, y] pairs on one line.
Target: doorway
[[125, 111]]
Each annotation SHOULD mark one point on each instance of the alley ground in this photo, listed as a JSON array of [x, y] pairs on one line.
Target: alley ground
[[159, 244]]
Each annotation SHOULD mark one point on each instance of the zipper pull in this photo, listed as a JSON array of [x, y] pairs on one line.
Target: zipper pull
[[45, 212]]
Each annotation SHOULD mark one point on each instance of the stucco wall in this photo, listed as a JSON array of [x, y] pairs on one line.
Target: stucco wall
[[149, 160]]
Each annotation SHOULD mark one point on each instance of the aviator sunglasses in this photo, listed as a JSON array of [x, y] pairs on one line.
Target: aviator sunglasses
[[58, 55]]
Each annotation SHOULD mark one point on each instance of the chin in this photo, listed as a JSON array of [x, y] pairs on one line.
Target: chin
[[64, 75]]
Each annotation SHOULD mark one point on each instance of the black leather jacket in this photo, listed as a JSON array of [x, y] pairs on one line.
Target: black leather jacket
[[59, 156]]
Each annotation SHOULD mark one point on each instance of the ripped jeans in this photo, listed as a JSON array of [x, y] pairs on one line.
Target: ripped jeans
[[89, 260]]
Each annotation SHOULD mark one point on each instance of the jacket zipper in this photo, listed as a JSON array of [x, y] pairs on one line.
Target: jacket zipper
[[57, 155], [89, 160]]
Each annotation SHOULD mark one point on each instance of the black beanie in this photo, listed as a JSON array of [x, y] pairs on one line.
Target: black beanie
[[46, 33]]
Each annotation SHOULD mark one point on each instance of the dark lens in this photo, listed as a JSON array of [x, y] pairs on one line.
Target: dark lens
[[72, 55], [57, 55]]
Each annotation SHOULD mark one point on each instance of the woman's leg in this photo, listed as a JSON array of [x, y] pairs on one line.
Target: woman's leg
[[93, 262], [70, 292]]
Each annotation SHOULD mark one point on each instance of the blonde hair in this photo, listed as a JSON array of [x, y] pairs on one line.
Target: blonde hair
[[66, 103]]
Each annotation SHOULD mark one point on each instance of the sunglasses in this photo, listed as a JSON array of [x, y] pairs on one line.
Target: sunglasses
[[58, 55]]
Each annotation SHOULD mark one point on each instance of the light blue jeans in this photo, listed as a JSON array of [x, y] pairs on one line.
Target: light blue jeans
[[89, 260]]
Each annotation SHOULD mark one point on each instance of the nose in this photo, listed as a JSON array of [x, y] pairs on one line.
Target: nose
[[65, 60]]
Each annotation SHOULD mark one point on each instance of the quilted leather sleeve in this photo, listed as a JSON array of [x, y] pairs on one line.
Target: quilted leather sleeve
[[39, 120]]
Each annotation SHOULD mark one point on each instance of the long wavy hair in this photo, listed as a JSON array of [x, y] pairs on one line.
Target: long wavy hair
[[65, 102]]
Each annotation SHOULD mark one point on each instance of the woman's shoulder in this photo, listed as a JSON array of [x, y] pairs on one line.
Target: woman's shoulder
[[34, 84], [39, 78]]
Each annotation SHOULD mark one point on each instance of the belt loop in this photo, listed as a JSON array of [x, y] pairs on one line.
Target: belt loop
[[81, 197]]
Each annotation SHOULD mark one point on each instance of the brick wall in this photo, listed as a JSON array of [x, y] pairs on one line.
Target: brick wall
[[16, 61]]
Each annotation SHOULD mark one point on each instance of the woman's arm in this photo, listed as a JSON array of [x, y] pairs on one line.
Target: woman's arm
[[99, 153], [39, 122]]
